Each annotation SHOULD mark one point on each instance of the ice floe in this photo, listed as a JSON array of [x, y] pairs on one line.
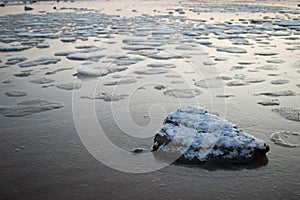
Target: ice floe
[[183, 93], [279, 93], [291, 113], [94, 56], [286, 138], [14, 48], [15, 93], [41, 61], [69, 86], [106, 96], [15, 60], [231, 49], [29, 107], [42, 80], [269, 102]]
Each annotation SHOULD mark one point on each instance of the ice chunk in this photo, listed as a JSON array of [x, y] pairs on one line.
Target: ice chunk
[[197, 136]]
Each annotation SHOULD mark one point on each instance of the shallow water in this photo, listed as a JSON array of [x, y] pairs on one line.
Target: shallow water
[[141, 45]]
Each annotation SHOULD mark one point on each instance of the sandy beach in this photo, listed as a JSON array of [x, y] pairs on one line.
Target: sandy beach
[[84, 83]]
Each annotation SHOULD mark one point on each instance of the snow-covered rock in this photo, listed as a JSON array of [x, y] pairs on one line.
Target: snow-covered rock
[[197, 136]]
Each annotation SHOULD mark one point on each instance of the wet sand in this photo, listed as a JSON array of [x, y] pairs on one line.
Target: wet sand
[[239, 61]]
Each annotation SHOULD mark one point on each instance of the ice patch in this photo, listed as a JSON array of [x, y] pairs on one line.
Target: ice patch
[[231, 49], [269, 102], [14, 48], [183, 93], [290, 113], [94, 56], [15, 93], [69, 86], [106, 96], [41, 61], [41, 80], [280, 81], [284, 138], [29, 107], [15, 60]]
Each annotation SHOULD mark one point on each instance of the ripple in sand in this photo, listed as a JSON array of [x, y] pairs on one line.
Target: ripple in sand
[[41, 80], [15, 93], [183, 93], [58, 70], [280, 81], [286, 138], [29, 107], [41, 61], [269, 102], [290, 113], [69, 86]]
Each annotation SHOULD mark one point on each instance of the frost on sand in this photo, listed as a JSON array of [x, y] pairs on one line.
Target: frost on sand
[[197, 136]]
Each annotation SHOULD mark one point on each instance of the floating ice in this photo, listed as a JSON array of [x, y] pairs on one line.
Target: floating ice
[[209, 83], [284, 138], [269, 102], [231, 49], [265, 53], [197, 136], [279, 93], [237, 83], [42, 80], [14, 48], [164, 56], [291, 113], [94, 56], [280, 81], [29, 107], [22, 74], [42, 45], [58, 70], [87, 71], [152, 71], [15, 60], [69, 86], [41, 61], [183, 93], [68, 39], [15, 93], [106, 96], [120, 82], [162, 65]]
